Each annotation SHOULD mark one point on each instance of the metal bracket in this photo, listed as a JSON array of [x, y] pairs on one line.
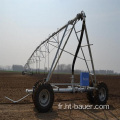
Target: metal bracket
[[19, 99]]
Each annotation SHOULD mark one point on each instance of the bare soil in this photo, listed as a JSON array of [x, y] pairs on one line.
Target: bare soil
[[13, 85]]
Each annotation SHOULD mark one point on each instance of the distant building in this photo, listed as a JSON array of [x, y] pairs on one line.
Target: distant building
[[110, 72], [17, 68]]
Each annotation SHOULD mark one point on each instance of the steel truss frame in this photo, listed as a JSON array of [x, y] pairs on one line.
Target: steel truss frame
[[81, 16], [39, 54]]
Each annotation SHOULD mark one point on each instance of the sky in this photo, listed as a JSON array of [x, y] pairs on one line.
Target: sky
[[25, 23]]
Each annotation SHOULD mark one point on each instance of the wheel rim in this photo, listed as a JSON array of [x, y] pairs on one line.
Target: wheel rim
[[44, 97], [102, 94]]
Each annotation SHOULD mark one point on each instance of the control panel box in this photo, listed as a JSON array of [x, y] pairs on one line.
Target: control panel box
[[84, 79]]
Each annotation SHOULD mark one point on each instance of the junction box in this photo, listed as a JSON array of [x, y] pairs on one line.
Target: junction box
[[84, 79]]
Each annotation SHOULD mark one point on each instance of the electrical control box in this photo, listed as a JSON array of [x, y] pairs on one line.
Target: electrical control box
[[84, 79]]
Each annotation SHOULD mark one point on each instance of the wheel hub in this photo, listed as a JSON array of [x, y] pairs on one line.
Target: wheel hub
[[102, 94], [44, 97]]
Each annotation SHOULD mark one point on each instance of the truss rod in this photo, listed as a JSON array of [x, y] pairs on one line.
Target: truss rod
[[90, 55], [49, 75], [69, 52], [63, 47]]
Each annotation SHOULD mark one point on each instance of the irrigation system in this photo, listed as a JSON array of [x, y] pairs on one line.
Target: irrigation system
[[43, 92]]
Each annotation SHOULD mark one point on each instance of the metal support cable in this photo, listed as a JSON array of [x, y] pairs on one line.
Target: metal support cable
[[48, 57], [45, 62]]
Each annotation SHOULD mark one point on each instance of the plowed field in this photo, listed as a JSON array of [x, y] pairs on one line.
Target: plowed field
[[13, 85]]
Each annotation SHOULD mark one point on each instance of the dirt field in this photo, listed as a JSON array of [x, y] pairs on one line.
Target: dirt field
[[13, 85]]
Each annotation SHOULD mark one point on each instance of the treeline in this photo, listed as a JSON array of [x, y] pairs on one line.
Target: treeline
[[67, 69], [5, 68], [61, 68]]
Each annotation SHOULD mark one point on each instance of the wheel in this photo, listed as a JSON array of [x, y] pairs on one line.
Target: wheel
[[23, 73], [43, 97], [90, 95], [36, 86], [101, 95]]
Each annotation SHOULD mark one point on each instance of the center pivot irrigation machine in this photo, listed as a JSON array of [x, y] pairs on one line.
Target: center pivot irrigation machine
[[43, 91]]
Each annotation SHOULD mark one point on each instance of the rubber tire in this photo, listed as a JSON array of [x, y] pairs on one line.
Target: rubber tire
[[37, 91], [90, 95], [96, 98], [23, 73], [36, 86]]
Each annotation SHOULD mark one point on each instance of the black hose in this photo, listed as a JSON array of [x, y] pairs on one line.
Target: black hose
[[78, 47]]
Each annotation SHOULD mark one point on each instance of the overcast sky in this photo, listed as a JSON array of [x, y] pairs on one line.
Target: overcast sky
[[25, 23]]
